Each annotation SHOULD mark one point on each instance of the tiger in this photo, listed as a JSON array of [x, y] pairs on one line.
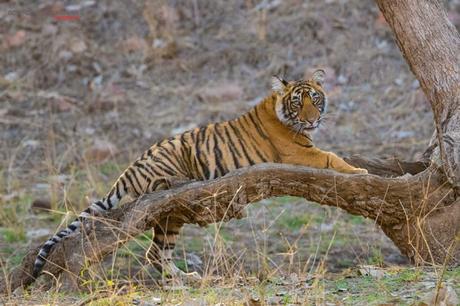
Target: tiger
[[278, 130]]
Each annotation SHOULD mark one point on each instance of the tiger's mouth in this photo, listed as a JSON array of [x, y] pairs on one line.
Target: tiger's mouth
[[311, 127], [305, 126]]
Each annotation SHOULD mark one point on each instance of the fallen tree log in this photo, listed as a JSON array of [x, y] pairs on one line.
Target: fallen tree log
[[402, 212]]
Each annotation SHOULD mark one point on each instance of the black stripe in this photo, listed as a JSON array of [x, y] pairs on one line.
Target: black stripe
[[136, 179], [267, 137], [118, 190], [123, 182], [100, 204], [151, 168], [251, 140], [150, 152], [109, 201], [158, 182], [141, 166], [46, 248], [132, 183], [170, 141], [232, 148], [146, 178], [166, 156], [242, 143], [218, 171], [203, 167], [259, 130], [88, 211], [164, 167], [218, 152], [141, 170], [72, 227]]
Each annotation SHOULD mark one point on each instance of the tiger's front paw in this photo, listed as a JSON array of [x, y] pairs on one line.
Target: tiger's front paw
[[359, 171]]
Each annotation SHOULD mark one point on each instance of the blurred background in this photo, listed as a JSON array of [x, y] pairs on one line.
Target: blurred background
[[86, 86]]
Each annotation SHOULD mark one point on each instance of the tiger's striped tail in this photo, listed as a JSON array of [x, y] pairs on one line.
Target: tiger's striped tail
[[96, 208]]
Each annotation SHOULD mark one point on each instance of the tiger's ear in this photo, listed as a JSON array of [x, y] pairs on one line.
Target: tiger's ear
[[278, 84], [318, 76]]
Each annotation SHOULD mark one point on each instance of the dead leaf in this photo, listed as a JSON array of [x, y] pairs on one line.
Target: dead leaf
[[15, 40]]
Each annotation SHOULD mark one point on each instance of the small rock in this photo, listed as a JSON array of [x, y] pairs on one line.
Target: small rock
[[11, 76], [342, 80], [49, 29], [73, 8], [88, 3], [65, 55], [415, 84], [158, 43], [373, 271], [445, 297], [154, 301], [78, 46], [403, 134], [31, 143], [194, 263], [275, 300], [399, 81]]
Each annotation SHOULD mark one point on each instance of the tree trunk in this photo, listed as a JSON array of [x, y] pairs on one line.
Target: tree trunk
[[431, 46], [416, 205]]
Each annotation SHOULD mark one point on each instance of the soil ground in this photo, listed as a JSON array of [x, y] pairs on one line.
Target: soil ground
[[81, 98]]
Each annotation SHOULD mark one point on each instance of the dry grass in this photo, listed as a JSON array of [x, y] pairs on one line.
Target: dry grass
[[130, 73]]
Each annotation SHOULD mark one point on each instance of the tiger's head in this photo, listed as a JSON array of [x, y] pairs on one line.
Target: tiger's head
[[300, 104]]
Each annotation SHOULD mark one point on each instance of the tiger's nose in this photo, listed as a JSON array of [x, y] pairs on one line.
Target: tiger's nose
[[313, 120]]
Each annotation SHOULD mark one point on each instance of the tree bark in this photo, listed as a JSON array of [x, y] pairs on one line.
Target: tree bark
[[430, 45], [416, 205], [225, 198]]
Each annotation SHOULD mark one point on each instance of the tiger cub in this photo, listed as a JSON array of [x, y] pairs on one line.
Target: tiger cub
[[277, 130]]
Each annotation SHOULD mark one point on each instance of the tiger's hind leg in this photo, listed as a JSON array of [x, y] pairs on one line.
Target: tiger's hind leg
[[161, 251]]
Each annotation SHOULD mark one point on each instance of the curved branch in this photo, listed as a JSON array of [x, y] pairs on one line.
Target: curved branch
[[226, 197]]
